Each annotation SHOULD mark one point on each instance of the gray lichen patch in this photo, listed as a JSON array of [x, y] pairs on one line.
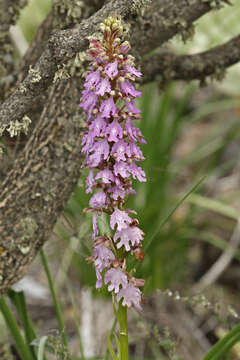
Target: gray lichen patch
[[139, 4], [28, 227], [35, 75]]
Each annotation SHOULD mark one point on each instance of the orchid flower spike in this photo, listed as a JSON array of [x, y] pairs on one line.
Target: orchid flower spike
[[111, 153]]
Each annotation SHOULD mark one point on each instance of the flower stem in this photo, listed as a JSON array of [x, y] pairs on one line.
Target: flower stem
[[122, 314]]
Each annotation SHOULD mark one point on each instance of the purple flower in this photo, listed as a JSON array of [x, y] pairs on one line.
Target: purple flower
[[90, 181], [131, 234], [98, 200], [117, 192], [102, 147], [100, 151], [108, 107], [124, 48], [119, 218], [135, 151], [99, 279], [106, 175], [102, 257], [132, 70], [121, 168], [95, 226], [87, 141], [137, 172], [114, 130], [111, 69], [129, 89], [131, 106], [131, 296], [89, 100], [97, 126], [120, 149], [92, 79], [133, 132], [116, 278], [103, 87]]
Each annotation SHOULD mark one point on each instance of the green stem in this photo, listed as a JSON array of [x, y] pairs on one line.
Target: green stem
[[55, 300], [122, 314]]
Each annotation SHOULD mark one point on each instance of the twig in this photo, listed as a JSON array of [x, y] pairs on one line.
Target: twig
[[221, 264]]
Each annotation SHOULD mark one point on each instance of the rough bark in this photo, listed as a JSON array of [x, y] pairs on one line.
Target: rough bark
[[166, 19], [166, 66]]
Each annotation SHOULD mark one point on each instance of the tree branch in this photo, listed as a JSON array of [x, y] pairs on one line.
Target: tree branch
[[166, 66], [9, 13], [150, 31], [61, 47], [41, 181]]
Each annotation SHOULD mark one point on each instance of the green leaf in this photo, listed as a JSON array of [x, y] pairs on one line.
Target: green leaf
[[41, 348], [214, 205]]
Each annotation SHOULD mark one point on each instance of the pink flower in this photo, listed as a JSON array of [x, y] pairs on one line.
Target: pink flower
[[132, 70], [98, 200], [92, 79], [95, 227], [131, 296], [102, 257], [116, 278], [108, 107], [111, 70], [97, 126], [129, 89], [119, 218], [121, 168], [106, 175], [135, 151], [89, 100], [137, 172], [131, 235], [132, 107], [103, 87], [90, 181], [114, 130], [120, 149]]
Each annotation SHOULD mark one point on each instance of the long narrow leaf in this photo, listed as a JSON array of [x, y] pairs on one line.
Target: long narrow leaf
[[12, 325]]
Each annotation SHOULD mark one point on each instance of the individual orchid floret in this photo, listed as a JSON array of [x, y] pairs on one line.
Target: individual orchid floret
[[131, 296], [117, 278], [119, 150], [102, 257], [128, 89], [130, 236], [98, 200], [90, 181], [108, 108], [131, 106], [119, 218], [111, 70], [92, 79], [131, 70], [114, 130], [95, 226], [106, 175], [98, 126], [121, 168], [89, 100], [137, 172], [103, 87]]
